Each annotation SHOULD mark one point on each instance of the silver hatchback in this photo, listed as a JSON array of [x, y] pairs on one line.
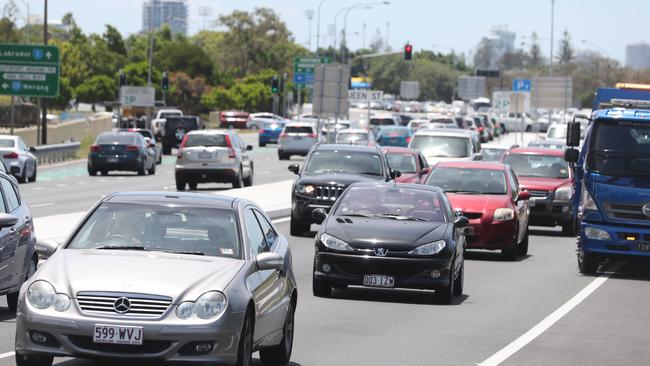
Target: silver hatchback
[[296, 138], [218, 156], [189, 278]]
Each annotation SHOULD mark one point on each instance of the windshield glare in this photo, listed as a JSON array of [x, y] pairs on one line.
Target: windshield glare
[[620, 149], [542, 166], [442, 146], [556, 133], [344, 162], [352, 136], [480, 181], [405, 202], [491, 154], [405, 163], [206, 141], [206, 231]]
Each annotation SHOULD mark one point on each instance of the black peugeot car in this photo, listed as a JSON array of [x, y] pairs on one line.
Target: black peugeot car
[[328, 171], [390, 235]]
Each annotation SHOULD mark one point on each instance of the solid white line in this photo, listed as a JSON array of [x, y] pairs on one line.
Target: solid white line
[[41, 205], [545, 324], [6, 355], [279, 221]]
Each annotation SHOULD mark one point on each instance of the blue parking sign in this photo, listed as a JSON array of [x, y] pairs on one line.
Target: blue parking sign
[[521, 85]]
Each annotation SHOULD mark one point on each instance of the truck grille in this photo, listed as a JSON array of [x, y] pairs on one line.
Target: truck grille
[[626, 211], [329, 193], [534, 193], [137, 305]]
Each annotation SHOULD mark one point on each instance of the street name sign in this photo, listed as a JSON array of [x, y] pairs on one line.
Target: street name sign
[[29, 70], [366, 95], [137, 96]]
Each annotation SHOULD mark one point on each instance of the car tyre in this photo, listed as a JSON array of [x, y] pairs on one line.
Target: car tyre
[[298, 227], [460, 281], [249, 180], [192, 186], [152, 171], [23, 175], [445, 295], [262, 144], [142, 170], [238, 180], [32, 179], [159, 160], [321, 288], [522, 248], [587, 262], [12, 298], [245, 348], [166, 149], [180, 184], [281, 354], [32, 360], [510, 254], [92, 172]]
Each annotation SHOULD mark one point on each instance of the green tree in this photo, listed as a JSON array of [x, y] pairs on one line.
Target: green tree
[[535, 52], [186, 92], [8, 31], [97, 89], [566, 48], [180, 55], [114, 40], [65, 95]]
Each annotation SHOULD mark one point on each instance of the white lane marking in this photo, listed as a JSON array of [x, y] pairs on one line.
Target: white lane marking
[[263, 172], [102, 180], [82, 182], [41, 205], [61, 185], [545, 324], [279, 221], [6, 355], [39, 188]]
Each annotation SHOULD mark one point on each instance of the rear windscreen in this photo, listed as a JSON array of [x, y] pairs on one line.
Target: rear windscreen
[[382, 121], [116, 139], [298, 129], [206, 140]]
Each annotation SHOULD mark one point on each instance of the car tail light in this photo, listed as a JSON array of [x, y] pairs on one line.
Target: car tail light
[[284, 134], [12, 155], [481, 129], [313, 135], [95, 148], [132, 148], [231, 151], [179, 153], [261, 130], [408, 140]]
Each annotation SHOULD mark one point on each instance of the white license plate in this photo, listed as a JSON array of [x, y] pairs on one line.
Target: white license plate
[[112, 160], [378, 281], [115, 334], [205, 155]]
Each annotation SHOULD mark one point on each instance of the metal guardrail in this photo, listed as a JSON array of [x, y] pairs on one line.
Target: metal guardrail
[[47, 154]]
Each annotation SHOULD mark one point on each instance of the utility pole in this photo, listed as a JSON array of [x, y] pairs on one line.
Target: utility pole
[[309, 13], [44, 100], [550, 61], [363, 37], [320, 4], [386, 47]]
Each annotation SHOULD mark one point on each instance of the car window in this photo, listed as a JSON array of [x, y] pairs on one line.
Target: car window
[[298, 129], [11, 197], [404, 162], [341, 161], [194, 140], [256, 237], [7, 143], [268, 230], [468, 180], [514, 185], [124, 139]]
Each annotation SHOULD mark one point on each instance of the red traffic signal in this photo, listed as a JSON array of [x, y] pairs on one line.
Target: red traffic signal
[[408, 52]]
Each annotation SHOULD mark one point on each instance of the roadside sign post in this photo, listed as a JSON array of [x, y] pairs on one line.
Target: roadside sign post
[[409, 89], [330, 99], [303, 70], [368, 96]]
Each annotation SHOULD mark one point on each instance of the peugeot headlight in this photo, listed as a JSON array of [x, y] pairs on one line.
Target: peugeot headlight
[[596, 234], [42, 295], [564, 193], [307, 189], [429, 248], [503, 214], [209, 305], [334, 243]]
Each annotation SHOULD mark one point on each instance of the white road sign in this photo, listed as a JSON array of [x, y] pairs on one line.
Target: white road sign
[[137, 96], [366, 95], [409, 89]]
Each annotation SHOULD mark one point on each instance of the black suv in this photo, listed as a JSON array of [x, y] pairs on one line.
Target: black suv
[[328, 171], [175, 130]]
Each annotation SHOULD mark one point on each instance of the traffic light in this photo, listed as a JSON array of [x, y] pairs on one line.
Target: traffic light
[[164, 85], [275, 87], [408, 52], [122, 78]]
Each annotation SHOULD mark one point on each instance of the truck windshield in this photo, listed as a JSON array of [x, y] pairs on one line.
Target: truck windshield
[[620, 148]]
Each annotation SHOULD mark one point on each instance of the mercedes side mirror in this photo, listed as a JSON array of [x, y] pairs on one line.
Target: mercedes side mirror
[[46, 248], [523, 196], [7, 220], [319, 215], [461, 222], [266, 261], [571, 155], [573, 134], [295, 168]]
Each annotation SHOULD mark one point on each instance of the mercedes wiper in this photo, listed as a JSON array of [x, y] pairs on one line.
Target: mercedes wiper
[[190, 252], [122, 247], [355, 214]]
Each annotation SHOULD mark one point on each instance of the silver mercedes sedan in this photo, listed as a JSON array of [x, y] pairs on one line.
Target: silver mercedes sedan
[[177, 277]]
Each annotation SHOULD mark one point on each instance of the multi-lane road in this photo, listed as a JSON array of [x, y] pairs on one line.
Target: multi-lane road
[[535, 311]]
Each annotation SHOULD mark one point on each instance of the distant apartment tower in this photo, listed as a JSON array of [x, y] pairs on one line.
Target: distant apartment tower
[[156, 13], [637, 56]]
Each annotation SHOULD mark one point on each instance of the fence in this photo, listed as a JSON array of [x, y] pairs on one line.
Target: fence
[[47, 154]]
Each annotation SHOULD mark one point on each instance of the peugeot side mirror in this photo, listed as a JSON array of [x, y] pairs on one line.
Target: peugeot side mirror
[[266, 261], [571, 155], [319, 215], [295, 168], [461, 222], [46, 248], [7, 220], [523, 196], [573, 134]]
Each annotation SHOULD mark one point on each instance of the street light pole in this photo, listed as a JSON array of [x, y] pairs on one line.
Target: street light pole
[[550, 66], [44, 100], [320, 4]]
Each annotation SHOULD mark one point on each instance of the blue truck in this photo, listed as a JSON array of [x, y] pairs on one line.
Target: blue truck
[[612, 177]]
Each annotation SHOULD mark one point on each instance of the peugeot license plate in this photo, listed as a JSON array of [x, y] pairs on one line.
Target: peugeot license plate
[[378, 281], [115, 334]]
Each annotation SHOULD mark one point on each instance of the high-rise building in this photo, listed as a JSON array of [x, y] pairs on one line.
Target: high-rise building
[[637, 56], [155, 13], [492, 47]]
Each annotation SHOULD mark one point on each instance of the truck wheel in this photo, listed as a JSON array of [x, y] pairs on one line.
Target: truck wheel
[[587, 262], [167, 149]]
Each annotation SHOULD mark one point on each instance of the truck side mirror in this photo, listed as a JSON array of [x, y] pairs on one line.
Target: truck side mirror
[[571, 155], [573, 134]]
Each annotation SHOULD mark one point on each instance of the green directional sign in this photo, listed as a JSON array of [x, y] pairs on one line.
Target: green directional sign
[[29, 70], [303, 69]]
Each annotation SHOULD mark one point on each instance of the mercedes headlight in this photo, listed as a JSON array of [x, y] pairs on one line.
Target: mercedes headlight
[[503, 214], [334, 243], [42, 295], [564, 193], [306, 189], [429, 248], [207, 306]]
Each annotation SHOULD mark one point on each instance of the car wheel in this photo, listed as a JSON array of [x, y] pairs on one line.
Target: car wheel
[[568, 228], [180, 184], [262, 144], [509, 254], [522, 248], [249, 180], [282, 156], [587, 262], [104, 172], [460, 280], [238, 181], [192, 186], [298, 227], [281, 354], [167, 149], [32, 179], [12, 298], [445, 295], [321, 288], [32, 360], [159, 161], [253, 127], [152, 171], [142, 170], [92, 172], [23, 175], [529, 128], [245, 348]]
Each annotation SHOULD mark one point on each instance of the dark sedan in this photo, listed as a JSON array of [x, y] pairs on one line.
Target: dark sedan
[[121, 151], [390, 236]]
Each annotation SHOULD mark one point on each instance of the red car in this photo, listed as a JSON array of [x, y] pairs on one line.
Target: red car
[[411, 163], [235, 119], [549, 180], [488, 195]]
